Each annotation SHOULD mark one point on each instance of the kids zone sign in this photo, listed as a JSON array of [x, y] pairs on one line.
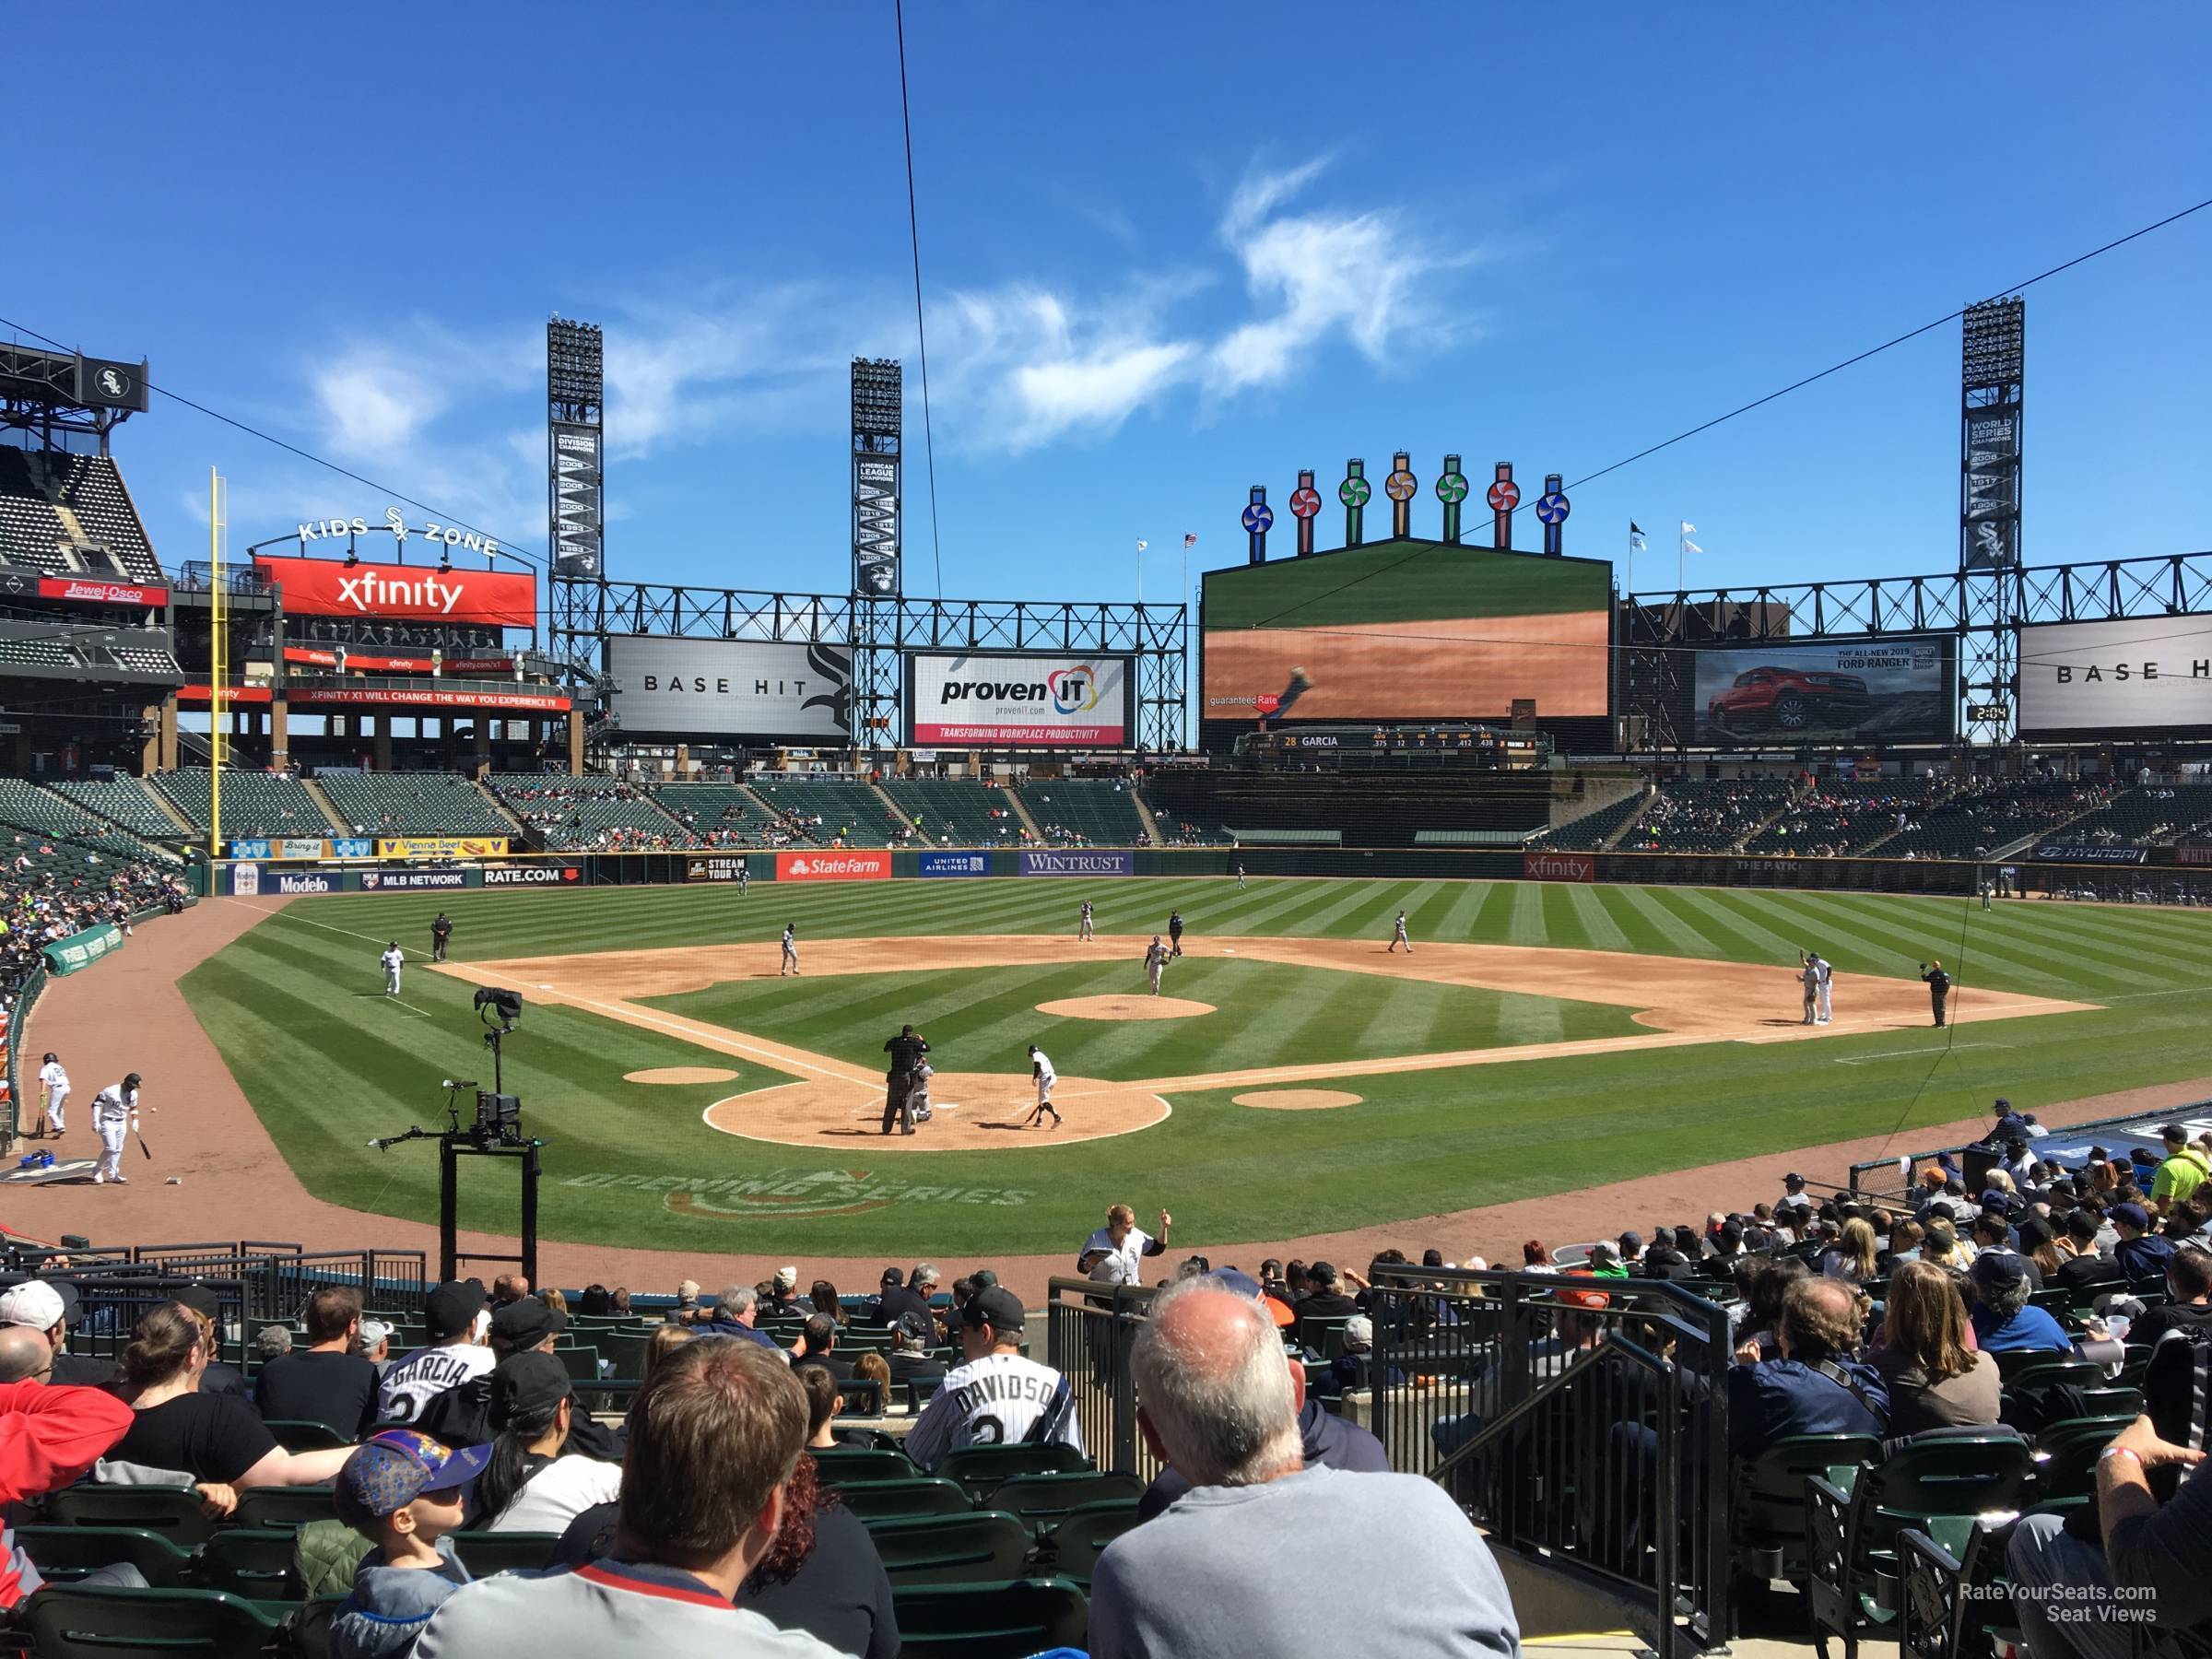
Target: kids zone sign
[[1006, 699], [792, 1194]]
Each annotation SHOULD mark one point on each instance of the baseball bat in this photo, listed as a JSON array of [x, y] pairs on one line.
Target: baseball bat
[[143, 1150]]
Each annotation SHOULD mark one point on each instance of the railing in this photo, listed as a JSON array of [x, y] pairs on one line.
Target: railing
[[1579, 1421], [272, 1280], [1088, 1330], [19, 1015]]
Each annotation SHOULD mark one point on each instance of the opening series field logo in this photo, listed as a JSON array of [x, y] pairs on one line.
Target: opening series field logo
[[795, 1194]]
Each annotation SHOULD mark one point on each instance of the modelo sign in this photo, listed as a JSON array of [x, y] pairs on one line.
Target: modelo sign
[[325, 587], [833, 866], [755, 690], [2151, 674], [1074, 702], [1558, 866]]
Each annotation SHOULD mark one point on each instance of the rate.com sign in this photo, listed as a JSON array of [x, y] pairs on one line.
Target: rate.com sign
[[1558, 867], [833, 866], [1021, 698]]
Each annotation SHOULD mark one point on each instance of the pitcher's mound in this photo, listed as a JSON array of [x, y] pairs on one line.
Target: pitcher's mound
[[1296, 1100], [680, 1074], [976, 1111], [1126, 1007]]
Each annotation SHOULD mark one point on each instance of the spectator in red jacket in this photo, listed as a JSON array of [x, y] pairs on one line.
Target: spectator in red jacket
[[49, 1437]]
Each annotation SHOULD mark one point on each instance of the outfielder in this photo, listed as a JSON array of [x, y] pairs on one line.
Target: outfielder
[[1809, 977], [393, 958], [54, 1083], [1156, 963], [1040, 1068], [745, 877], [1826, 988], [1398, 936], [114, 1115], [1239, 879], [1083, 927], [791, 949]]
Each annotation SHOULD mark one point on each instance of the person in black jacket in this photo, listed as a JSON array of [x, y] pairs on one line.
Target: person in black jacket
[[906, 1051], [1939, 987]]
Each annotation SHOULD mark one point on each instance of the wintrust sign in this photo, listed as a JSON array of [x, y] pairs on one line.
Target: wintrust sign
[[833, 866], [1558, 866], [324, 587]]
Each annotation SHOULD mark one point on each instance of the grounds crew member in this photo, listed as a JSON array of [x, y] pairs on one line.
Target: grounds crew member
[[1939, 987], [906, 1051], [440, 931], [114, 1115]]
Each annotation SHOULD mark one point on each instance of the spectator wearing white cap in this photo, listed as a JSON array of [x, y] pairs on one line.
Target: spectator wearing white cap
[[37, 1306], [782, 1291]]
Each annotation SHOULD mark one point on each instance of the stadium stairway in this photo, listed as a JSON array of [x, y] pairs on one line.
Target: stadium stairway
[[316, 793], [1021, 815], [1143, 815], [1779, 812], [519, 831], [101, 799]]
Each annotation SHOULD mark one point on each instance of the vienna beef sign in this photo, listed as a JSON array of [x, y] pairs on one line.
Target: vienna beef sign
[[323, 587]]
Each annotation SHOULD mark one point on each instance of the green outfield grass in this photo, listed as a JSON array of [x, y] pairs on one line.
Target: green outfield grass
[[328, 1062]]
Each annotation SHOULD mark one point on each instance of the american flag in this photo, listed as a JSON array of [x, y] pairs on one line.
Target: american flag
[[1189, 542]]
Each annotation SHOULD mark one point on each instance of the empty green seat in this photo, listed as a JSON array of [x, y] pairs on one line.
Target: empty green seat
[[1073, 1547], [253, 1561], [62, 1553], [1044, 1501], [173, 1512], [304, 1434], [842, 1466], [980, 1468], [485, 1553], [284, 1506], [74, 1621], [870, 1499], [990, 1621], [987, 1547], [1768, 1503]]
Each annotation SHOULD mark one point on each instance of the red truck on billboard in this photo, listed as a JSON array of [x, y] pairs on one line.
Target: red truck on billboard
[[1788, 699]]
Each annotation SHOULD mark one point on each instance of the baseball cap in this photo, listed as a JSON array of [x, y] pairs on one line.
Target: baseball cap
[[1603, 1252], [1631, 1239], [390, 1470], [995, 1307], [33, 1302], [2132, 1214], [1998, 1269], [526, 1383], [526, 1324], [1237, 1279], [1995, 1200], [1793, 1180], [891, 1276], [374, 1331], [1359, 1329], [200, 1299], [787, 1276], [2174, 1135], [982, 1278], [2001, 1104], [453, 1307]]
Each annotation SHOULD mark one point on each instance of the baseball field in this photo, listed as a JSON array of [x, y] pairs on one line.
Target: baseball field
[[1295, 1078]]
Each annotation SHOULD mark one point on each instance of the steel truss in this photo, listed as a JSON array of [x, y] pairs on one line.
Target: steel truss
[[880, 631], [1660, 631]]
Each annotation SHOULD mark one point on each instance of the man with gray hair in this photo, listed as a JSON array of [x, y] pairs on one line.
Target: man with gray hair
[[738, 1306], [273, 1340], [1407, 1573]]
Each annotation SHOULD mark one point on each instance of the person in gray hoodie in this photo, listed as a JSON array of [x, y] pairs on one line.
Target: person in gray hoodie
[[401, 1490]]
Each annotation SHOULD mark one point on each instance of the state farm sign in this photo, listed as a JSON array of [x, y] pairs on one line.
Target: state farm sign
[[1558, 867], [833, 866], [325, 587]]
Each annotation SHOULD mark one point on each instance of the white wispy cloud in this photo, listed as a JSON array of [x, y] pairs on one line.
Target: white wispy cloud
[[373, 402]]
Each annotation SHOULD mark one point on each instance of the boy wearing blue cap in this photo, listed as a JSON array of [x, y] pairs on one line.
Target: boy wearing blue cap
[[401, 1490]]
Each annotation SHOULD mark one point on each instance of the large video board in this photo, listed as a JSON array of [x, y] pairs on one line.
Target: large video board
[[1895, 690], [753, 691], [2141, 675], [1029, 700]]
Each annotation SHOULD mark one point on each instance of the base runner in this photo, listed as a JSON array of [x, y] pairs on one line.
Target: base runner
[[115, 1115]]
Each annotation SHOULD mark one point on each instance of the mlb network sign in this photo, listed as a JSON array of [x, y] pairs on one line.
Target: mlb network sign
[[1020, 700], [1078, 864], [833, 866]]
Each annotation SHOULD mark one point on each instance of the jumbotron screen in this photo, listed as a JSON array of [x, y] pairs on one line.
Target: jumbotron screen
[[1402, 631]]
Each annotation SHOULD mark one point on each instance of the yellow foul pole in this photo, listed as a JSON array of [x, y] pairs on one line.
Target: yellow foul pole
[[218, 665]]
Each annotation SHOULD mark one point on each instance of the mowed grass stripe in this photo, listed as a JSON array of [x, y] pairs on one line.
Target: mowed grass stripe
[[1740, 938], [1668, 934], [1594, 919]]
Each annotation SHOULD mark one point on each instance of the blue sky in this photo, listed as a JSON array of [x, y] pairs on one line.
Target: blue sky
[[1168, 252]]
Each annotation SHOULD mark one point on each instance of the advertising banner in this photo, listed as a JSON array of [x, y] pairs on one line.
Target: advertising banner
[[245, 881], [2192, 856], [1042, 862], [537, 874], [307, 851], [721, 866], [408, 881], [327, 587], [255, 847], [758, 690], [833, 866], [2148, 674], [303, 881], [353, 846], [576, 500], [421, 696], [1892, 690], [441, 846], [2089, 853], [81, 590], [1074, 702], [311, 657], [81, 951], [955, 863], [1558, 867]]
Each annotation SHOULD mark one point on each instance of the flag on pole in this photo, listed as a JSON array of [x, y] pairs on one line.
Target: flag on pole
[[1189, 541], [1636, 537], [1142, 546], [1690, 530]]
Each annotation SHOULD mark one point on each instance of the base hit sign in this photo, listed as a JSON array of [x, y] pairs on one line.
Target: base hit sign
[[833, 866]]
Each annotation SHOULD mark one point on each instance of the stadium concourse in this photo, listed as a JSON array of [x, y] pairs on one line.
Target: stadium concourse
[[205, 1134]]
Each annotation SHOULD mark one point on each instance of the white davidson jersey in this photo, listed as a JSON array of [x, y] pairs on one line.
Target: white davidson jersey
[[1000, 1399]]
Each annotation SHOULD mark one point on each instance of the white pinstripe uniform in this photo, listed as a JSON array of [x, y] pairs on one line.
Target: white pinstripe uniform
[[55, 1082]]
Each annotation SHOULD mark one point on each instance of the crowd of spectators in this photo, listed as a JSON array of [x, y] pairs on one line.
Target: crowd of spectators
[[50, 889]]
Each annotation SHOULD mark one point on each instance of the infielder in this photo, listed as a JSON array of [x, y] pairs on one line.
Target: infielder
[[393, 958], [1827, 1013], [1398, 936], [54, 1082], [791, 949], [1156, 963], [1083, 927], [1808, 977], [1040, 1068], [114, 1115]]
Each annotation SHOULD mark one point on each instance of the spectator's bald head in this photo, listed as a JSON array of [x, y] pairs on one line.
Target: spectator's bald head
[[25, 1354], [1819, 1317], [1213, 1390]]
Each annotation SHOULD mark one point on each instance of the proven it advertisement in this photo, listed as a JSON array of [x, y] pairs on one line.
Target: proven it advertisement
[[1893, 691], [1076, 701]]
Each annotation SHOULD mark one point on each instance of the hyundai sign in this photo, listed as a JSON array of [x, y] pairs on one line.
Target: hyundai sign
[[2151, 674], [1025, 699], [753, 691]]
